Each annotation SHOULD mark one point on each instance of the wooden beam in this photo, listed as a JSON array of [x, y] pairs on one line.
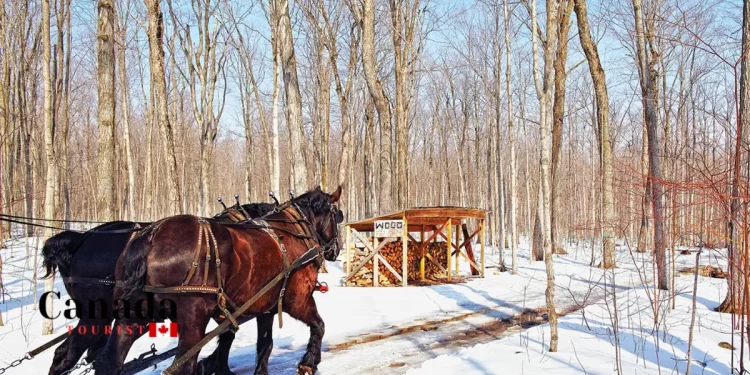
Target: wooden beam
[[468, 249], [348, 231], [367, 259], [375, 266], [458, 247], [435, 262], [388, 266], [481, 243], [421, 258], [467, 258], [405, 245], [449, 240]]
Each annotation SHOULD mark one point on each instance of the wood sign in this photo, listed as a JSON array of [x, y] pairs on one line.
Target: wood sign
[[389, 228]]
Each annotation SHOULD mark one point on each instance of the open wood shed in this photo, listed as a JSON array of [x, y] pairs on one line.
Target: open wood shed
[[430, 224]]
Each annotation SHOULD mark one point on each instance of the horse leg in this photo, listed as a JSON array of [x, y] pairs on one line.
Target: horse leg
[[265, 343], [97, 346], [71, 350], [192, 325], [308, 313], [218, 361], [112, 357]]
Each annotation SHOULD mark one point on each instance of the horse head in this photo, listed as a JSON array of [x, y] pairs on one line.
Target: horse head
[[324, 216]]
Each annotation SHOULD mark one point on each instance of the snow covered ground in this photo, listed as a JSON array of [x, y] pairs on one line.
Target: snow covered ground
[[433, 330]]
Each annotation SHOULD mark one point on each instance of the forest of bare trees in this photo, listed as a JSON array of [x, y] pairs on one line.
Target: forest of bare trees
[[600, 124]]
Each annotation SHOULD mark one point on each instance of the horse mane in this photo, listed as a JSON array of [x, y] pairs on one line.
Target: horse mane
[[258, 209], [314, 200]]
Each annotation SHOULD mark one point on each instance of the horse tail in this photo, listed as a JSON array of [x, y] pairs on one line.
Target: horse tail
[[134, 265], [58, 252]]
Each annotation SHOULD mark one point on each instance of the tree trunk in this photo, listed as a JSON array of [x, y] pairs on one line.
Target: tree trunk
[[537, 245], [382, 105], [648, 81], [292, 94], [276, 163], [512, 144], [49, 146], [105, 74], [602, 120], [558, 110], [125, 99], [159, 83], [738, 266], [544, 88]]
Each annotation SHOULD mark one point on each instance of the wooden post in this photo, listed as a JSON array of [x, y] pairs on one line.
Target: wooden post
[[348, 231], [405, 244], [481, 244], [375, 264], [421, 260], [448, 241], [458, 245]]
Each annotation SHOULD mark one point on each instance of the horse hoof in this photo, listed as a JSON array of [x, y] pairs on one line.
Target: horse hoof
[[305, 370], [205, 368]]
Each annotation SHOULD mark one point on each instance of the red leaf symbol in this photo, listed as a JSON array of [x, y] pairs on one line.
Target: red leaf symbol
[[163, 329]]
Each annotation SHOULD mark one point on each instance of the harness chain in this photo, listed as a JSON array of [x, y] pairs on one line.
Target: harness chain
[[30, 355]]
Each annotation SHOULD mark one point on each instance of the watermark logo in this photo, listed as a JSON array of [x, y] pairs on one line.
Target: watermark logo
[[162, 330], [146, 309]]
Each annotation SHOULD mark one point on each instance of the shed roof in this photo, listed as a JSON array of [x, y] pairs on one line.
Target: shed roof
[[417, 216]]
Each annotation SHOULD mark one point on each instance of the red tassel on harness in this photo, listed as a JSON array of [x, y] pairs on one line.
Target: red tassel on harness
[[321, 287]]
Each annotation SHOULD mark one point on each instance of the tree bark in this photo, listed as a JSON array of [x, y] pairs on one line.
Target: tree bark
[[544, 87], [292, 94], [159, 83], [558, 109], [738, 264], [366, 17], [49, 146], [648, 82], [602, 120], [125, 102], [105, 74], [512, 144]]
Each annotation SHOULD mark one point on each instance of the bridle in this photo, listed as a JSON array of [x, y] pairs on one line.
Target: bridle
[[335, 217]]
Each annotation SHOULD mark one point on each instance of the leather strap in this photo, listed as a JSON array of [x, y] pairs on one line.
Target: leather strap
[[307, 257]]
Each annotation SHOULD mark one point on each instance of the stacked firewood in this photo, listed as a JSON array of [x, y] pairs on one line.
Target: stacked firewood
[[393, 252]]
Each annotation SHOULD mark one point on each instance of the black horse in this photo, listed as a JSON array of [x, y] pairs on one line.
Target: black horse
[[86, 258], [280, 255]]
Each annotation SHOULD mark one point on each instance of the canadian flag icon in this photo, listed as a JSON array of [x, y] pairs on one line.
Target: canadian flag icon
[[162, 329]]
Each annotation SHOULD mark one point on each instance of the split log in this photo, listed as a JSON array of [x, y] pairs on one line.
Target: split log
[[392, 253]]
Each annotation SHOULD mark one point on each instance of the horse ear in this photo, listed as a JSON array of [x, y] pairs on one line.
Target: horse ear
[[317, 188], [336, 195]]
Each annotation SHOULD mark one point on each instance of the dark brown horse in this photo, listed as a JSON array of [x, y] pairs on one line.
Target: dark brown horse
[[84, 258], [247, 258]]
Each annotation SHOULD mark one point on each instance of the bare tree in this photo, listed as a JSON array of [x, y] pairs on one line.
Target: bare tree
[[544, 87], [366, 18], [49, 147], [292, 93], [512, 143], [406, 19], [122, 32], [105, 74], [602, 120], [558, 108], [648, 81], [205, 66], [738, 256], [159, 83]]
